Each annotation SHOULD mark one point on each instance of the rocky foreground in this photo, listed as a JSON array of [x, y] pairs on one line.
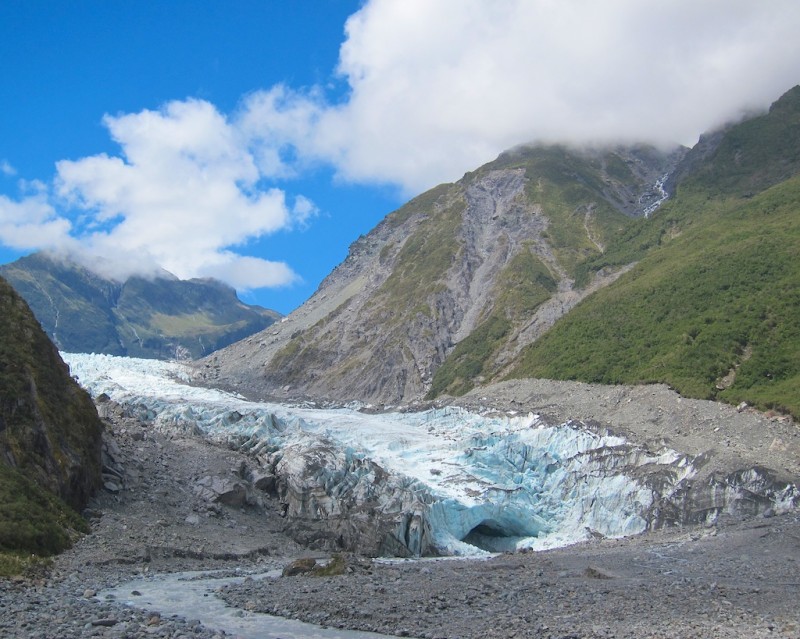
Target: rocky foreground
[[741, 580], [168, 510]]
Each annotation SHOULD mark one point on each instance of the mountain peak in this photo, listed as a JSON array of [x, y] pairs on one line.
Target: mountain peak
[[150, 315], [454, 280]]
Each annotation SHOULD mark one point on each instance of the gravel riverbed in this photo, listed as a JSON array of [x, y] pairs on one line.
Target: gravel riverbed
[[736, 578], [739, 580]]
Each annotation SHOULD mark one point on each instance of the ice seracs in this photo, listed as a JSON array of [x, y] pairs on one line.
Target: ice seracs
[[441, 481]]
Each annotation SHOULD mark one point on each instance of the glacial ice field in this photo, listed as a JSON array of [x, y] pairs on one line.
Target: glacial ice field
[[489, 483]]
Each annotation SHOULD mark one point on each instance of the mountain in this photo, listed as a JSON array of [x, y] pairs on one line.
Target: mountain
[[711, 306], [50, 438], [161, 317], [568, 264], [447, 289]]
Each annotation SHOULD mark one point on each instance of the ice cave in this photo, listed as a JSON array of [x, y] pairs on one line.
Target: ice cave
[[449, 481]]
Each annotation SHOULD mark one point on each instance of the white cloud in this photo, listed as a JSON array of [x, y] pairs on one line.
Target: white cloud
[[278, 122], [439, 87], [6, 168], [246, 273], [184, 191], [32, 223]]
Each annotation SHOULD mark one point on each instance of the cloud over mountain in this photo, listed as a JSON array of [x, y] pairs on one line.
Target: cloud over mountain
[[182, 194], [439, 87], [185, 190]]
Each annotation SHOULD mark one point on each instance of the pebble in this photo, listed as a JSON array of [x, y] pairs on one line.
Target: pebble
[[666, 586], [35, 612]]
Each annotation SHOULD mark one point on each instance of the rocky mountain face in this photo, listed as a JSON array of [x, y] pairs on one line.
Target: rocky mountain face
[[161, 317], [683, 261], [50, 437], [446, 290]]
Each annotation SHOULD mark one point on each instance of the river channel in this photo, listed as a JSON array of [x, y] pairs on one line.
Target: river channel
[[192, 595]]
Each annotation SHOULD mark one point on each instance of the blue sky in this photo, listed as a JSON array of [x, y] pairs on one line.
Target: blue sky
[[254, 141], [67, 64]]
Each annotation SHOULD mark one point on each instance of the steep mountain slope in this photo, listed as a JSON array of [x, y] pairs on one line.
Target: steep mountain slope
[[450, 291], [711, 308], [162, 317], [50, 436], [465, 275]]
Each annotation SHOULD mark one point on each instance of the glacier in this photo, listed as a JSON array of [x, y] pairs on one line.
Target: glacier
[[442, 481]]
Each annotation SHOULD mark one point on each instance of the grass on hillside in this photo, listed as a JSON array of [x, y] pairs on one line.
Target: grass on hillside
[[569, 190], [37, 396], [755, 154], [457, 375], [566, 185], [643, 235], [48, 422], [713, 312], [422, 263], [33, 523], [68, 314], [424, 203], [751, 157]]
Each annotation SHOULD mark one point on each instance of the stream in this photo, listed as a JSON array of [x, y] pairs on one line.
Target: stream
[[192, 595]]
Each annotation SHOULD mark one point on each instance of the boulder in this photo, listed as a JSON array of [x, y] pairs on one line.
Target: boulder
[[226, 491], [299, 567], [264, 482]]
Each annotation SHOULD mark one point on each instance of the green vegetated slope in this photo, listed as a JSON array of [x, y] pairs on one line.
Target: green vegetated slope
[[712, 306], [166, 318], [34, 523], [420, 265], [161, 317], [570, 206], [586, 198], [72, 304], [50, 438]]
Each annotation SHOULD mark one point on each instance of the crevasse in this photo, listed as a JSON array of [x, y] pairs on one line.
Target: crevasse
[[485, 483]]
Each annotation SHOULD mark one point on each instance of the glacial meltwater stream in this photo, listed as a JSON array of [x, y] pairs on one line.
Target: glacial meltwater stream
[[191, 595]]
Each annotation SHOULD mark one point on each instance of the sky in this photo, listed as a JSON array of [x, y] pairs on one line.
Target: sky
[[255, 140]]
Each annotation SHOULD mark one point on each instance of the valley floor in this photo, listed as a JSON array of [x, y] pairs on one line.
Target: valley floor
[[732, 579]]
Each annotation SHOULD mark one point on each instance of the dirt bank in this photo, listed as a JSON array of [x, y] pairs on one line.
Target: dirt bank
[[655, 416]]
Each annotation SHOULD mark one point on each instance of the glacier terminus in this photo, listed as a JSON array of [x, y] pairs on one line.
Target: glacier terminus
[[442, 481]]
